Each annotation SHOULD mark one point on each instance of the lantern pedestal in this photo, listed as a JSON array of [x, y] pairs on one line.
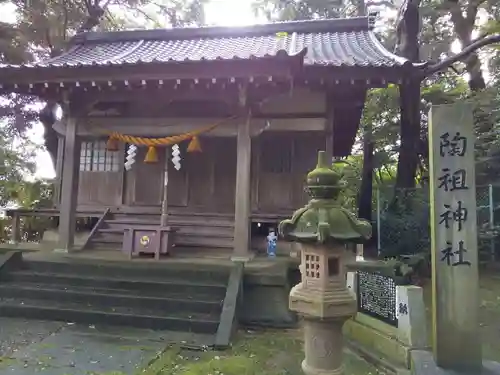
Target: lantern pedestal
[[324, 302], [324, 228], [323, 347]]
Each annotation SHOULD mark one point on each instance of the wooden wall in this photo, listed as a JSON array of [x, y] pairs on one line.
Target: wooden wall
[[103, 187], [280, 162], [206, 181], [144, 181], [100, 189]]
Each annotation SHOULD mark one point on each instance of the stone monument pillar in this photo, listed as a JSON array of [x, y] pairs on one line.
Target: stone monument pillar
[[455, 278], [323, 228]]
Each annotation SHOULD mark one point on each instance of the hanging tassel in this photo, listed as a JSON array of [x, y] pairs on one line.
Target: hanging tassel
[[194, 145], [112, 144], [151, 156]]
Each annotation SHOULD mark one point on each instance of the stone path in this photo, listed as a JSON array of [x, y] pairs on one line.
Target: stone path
[[30, 347]]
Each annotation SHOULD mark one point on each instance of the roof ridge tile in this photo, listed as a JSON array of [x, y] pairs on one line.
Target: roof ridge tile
[[212, 32]]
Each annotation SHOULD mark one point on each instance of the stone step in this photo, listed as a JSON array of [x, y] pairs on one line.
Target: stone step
[[204, 275], [87, 314], [138, 285], [191, 295], [112, 298]]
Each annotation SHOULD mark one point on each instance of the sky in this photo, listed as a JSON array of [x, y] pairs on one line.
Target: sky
[[230, 13]]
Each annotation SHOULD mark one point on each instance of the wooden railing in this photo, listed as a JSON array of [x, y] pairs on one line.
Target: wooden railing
[[95, 229], [17, 213]]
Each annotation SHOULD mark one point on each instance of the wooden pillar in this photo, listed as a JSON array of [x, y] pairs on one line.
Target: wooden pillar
[[455, 280], [164, 202], [69, 187], [242, 194]]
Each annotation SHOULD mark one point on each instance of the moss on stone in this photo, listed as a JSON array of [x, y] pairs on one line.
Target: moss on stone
[[323, 220], [254, 353]]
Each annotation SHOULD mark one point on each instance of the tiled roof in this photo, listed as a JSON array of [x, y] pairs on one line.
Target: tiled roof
[[336, 42]]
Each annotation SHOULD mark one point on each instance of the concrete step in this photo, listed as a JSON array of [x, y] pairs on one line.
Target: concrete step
[[170, 296], [88, 314], [113, 298], [175, 273], [136, 285]]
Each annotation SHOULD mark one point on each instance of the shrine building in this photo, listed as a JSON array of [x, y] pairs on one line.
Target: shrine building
[[226, 122]]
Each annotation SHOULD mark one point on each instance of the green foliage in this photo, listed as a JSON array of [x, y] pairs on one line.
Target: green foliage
[[42, 29], [404, 222]]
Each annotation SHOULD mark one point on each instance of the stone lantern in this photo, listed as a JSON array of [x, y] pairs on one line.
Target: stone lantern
[[324, 228]]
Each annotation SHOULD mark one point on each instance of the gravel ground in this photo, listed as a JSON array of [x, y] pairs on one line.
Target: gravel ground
[[30, 347], [18, 333]]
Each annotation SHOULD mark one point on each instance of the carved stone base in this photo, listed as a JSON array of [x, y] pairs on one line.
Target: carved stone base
[[323, 347], [323, 304]]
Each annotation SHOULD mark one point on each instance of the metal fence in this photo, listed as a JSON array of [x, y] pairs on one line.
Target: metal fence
[[402, 221]]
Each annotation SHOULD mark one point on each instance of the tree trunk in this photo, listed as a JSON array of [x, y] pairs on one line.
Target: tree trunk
[[410, 135], [366, 189], [95, 13], [463, 25], [365, 196], [51, 144], [408, 29], [47, 119]]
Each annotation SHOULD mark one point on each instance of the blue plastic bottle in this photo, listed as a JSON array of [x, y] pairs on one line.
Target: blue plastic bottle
[[272, 239]]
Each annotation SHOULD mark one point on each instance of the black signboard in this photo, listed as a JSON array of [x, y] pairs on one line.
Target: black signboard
[[376, 295]]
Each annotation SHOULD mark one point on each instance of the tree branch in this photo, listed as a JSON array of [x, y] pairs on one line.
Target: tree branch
[[381, 3], [446, 63]]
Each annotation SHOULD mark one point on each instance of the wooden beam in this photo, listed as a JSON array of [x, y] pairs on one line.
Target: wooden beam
[[94, 128], [172, 97], [69, 191], [153, 71], [197, 115]]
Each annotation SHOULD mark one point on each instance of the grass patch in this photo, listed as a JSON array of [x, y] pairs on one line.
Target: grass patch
[[5, 362], [281, 352], [254, 353]]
